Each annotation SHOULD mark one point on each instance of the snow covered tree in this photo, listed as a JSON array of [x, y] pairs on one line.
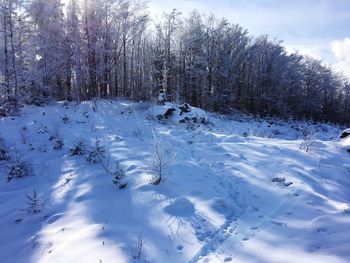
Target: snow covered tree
[[165, 38], [49, 40], [87, 49]]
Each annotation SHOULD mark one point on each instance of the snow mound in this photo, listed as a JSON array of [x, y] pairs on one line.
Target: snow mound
[[178, 113]]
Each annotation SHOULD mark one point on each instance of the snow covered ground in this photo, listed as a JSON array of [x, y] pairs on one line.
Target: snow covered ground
[[239, 190]]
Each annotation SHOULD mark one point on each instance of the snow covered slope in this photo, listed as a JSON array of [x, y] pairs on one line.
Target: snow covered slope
[[239, 190]]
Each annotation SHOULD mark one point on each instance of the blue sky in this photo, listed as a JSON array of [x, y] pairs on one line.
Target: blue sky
[[319, 28]]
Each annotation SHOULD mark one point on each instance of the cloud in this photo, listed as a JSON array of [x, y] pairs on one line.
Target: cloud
[[315, 51], [335, 53], [341, 49], [341, 52]]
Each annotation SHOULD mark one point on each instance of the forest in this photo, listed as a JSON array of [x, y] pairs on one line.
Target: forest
[[81, 50]]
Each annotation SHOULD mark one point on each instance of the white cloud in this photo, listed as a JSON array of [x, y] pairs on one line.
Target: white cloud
[[315, 51], [341, 49], [341, 52], [335, 53]]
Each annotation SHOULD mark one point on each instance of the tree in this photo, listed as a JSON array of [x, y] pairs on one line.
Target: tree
[[165, 31], [74, 35], [101, 48]]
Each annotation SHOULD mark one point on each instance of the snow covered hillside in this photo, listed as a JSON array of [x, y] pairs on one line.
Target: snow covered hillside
[[235, 190]]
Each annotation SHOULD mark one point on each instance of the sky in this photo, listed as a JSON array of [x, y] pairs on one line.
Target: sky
[[318, 28]]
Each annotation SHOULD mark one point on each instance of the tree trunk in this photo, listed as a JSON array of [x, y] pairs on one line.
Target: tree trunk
[[13, 54]]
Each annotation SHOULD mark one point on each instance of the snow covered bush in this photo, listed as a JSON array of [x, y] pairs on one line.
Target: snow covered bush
[[37, 95], [3, 150], [42, 147], [42, 129], [66, 104], [139, 247], [18, 169], [56, 132], [30, 147], [24, 134], [137, 132], [96, 153], [35, 203], [9, 107], [79, 147], [65, 119], [162, 157], [58, 144], [118, 174], [119, 178], [308, 142], [162, 98]]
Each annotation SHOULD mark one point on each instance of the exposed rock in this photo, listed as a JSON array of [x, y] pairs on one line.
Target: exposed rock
[[169, 112], [179, 114], [345, 134], [184, 108], [345, 140]]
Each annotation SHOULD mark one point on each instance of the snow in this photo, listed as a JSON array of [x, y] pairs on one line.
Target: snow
[[220, 202]]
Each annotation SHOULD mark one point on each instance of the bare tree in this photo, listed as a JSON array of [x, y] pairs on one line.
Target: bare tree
[[162, 157]]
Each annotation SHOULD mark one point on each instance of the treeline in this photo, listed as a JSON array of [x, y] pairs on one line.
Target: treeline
[[102, 48]]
